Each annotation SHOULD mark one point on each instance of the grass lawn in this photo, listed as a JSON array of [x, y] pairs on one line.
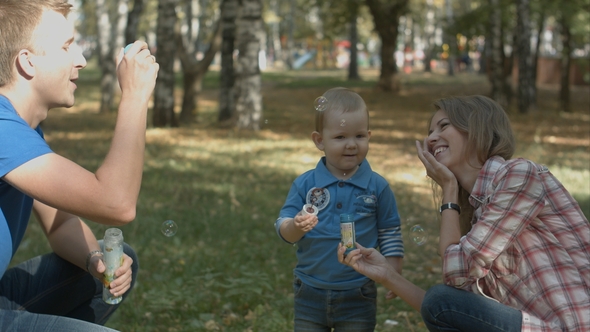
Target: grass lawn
[[226, 269]]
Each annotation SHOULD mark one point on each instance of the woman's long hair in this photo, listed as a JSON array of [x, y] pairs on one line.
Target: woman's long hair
[[488, 131]]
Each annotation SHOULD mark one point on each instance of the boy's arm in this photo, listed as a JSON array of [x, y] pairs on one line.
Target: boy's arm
[[293, 229], [289, 232]]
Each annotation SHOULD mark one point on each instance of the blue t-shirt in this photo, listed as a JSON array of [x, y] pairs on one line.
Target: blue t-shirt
[[367, 195], [19, 143]]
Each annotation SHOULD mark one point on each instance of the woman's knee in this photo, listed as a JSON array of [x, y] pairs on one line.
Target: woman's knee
[[435, 297]]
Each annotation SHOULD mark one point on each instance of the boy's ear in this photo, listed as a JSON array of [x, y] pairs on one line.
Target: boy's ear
[[24, 65], [318, 140], [369, 134]]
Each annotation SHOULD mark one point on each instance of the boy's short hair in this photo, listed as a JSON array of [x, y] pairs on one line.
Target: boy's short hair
[[18, 21], [485, 123], [341, 100]]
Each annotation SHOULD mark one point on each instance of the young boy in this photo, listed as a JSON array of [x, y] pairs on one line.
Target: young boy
[[329, 294]]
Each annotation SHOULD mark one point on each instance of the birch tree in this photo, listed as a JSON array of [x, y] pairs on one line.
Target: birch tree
[[497, 59], [188, 39], [133, 19], [229, 12], [250, 34], [386, 15], [111, 22], [163, 114], [566, 61], [353, 67], [526, 83]]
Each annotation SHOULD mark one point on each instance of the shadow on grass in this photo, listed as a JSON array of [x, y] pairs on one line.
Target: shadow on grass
[[226, 268]]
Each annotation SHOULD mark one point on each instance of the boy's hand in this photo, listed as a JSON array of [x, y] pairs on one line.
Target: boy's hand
[[390, 295], [305, 223]]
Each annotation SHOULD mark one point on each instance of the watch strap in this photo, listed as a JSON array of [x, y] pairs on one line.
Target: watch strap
[[450, 206]]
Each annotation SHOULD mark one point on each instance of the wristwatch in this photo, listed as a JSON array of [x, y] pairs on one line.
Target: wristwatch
[[450, 206]]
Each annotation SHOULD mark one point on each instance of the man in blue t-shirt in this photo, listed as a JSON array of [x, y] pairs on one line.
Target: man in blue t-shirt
[[39, 66]]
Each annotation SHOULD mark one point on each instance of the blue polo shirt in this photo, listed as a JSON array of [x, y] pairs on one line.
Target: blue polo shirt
[[367, 195], [19, 143]]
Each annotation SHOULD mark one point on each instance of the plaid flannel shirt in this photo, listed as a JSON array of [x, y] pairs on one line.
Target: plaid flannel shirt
[[529, 247]]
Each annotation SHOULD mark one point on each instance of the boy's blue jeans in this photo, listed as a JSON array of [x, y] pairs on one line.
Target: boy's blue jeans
[[352, 310], [446, 308], [47, 293]]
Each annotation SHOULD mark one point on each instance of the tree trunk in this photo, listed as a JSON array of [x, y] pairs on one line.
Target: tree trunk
[[277, 52], [133, 21], [566, 62], [540, 26], [429, 31], [290, 52], [163, 114], [250, 32], [193, 73], [353, 67], [386, 19], [451, 40], [108, 42], [497, 66], [526, 84], [229, 12]]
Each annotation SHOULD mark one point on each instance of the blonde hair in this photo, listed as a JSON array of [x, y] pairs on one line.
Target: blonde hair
[[340, 100], [18, 21], [488, 131]]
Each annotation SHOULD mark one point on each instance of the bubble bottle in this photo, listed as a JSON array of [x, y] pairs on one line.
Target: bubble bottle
[[309, 209], [347, 232], [113, 258]]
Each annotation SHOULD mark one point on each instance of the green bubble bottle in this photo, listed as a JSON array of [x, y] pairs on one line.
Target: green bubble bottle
[[113, 258], [347, 233]]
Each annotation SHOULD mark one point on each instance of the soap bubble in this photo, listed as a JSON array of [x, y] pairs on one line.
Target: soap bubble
[[418, 235], [321, 103], [169, 228]]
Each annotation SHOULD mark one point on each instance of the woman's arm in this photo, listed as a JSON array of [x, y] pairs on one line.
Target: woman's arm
[[372, 264]]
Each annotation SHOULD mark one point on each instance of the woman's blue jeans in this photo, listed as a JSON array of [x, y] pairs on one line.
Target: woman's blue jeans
[[447, 308], [352, 310], [47, 293]]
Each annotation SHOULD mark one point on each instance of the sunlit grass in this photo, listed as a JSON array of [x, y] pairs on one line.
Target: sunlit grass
[[226, 269]]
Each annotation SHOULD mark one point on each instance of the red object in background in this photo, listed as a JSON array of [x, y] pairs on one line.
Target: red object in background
[[343, 43]]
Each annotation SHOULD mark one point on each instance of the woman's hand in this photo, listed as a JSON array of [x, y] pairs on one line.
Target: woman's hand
[[434, 170], [372, 264], [366, 261]]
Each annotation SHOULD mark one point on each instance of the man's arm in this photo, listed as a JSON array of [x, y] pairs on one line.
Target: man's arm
[[108, 196], [71, 239]]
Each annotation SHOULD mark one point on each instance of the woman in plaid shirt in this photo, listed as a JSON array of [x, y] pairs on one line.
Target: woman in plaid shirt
[[515, 244]]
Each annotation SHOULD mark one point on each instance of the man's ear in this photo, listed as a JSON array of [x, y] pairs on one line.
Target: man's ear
[[24, 65], [318, 140]]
